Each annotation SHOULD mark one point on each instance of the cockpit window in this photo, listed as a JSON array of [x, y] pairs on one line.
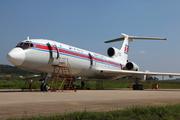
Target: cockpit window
[[25, 45], [19, 44], [31, 45]]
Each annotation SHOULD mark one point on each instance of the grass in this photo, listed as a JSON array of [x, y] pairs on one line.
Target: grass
[[123, 83], [16, 83], [167, 112]]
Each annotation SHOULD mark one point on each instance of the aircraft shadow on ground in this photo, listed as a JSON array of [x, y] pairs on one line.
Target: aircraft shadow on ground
[[9, 91], [38, 90]]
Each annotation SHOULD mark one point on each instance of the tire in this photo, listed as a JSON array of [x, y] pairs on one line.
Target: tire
[[137, 87], [42, 88], [46, 87]]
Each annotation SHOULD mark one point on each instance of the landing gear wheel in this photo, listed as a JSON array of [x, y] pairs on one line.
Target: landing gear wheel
[[138, 87], [42, 87], [46, 87]]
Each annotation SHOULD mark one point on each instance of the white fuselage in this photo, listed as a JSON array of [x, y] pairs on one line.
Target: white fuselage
[[37, 56]]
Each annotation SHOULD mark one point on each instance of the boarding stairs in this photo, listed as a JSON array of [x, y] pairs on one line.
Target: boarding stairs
[[62, 78]]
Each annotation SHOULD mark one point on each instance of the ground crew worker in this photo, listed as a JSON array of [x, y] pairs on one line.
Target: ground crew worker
[[82, 84], [31, 81]]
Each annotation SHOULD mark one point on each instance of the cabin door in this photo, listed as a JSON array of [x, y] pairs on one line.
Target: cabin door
[[54, 51], [92, 60], [54, 54]]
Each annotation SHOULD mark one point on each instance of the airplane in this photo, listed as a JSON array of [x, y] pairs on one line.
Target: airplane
[[38, 55]]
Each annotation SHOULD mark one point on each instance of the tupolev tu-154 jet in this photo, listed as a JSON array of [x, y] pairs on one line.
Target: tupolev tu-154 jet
[[38, 55]]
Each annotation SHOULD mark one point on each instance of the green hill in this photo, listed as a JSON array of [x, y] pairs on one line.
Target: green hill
[[7, 69]]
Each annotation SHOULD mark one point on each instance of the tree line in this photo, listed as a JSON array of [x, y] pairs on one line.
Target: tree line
[[7, 69]]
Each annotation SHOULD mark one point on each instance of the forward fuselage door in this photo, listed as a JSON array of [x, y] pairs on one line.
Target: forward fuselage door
[[54, 51]]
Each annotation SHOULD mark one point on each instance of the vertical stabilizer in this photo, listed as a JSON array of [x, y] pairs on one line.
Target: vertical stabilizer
[[125, 48]]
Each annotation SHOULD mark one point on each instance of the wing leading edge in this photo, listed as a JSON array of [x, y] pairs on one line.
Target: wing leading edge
[[110, 72]]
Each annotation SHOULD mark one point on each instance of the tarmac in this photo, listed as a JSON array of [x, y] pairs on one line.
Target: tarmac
[[17, 104]]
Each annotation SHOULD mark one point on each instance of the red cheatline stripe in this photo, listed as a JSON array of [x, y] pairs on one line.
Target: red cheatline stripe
[[44, 47]]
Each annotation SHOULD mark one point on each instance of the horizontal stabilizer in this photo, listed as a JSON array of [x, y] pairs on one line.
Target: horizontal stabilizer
[[115, 40], [133, 37], [148, 38]]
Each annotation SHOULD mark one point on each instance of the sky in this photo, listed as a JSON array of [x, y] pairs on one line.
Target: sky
[[88, 23]]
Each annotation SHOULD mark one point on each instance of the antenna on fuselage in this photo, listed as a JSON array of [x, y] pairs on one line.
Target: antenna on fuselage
[[27, 37]]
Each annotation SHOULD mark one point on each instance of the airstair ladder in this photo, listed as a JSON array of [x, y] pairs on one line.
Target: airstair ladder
[[62, 71]]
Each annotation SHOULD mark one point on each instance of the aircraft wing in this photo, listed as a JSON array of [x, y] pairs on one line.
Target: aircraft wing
[[111, 72], [35, 76]]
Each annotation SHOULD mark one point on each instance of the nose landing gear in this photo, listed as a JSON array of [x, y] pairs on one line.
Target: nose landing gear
[[44, 86]]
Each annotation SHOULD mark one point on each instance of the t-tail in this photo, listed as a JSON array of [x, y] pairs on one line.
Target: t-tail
[[123, 52]]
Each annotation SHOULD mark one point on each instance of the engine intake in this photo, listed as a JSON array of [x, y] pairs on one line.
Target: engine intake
[[132, 66], [113, 52]]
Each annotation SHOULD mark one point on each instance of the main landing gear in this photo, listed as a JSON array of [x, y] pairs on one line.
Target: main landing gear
[[137, 86]]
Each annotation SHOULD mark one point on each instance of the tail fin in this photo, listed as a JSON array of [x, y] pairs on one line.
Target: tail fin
[[125, 46]]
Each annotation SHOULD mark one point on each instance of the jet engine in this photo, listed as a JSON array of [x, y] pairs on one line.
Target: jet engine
[[113, 52], [132, 66]]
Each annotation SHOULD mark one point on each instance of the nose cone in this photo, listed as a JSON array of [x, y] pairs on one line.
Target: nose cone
[[16, 56]]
